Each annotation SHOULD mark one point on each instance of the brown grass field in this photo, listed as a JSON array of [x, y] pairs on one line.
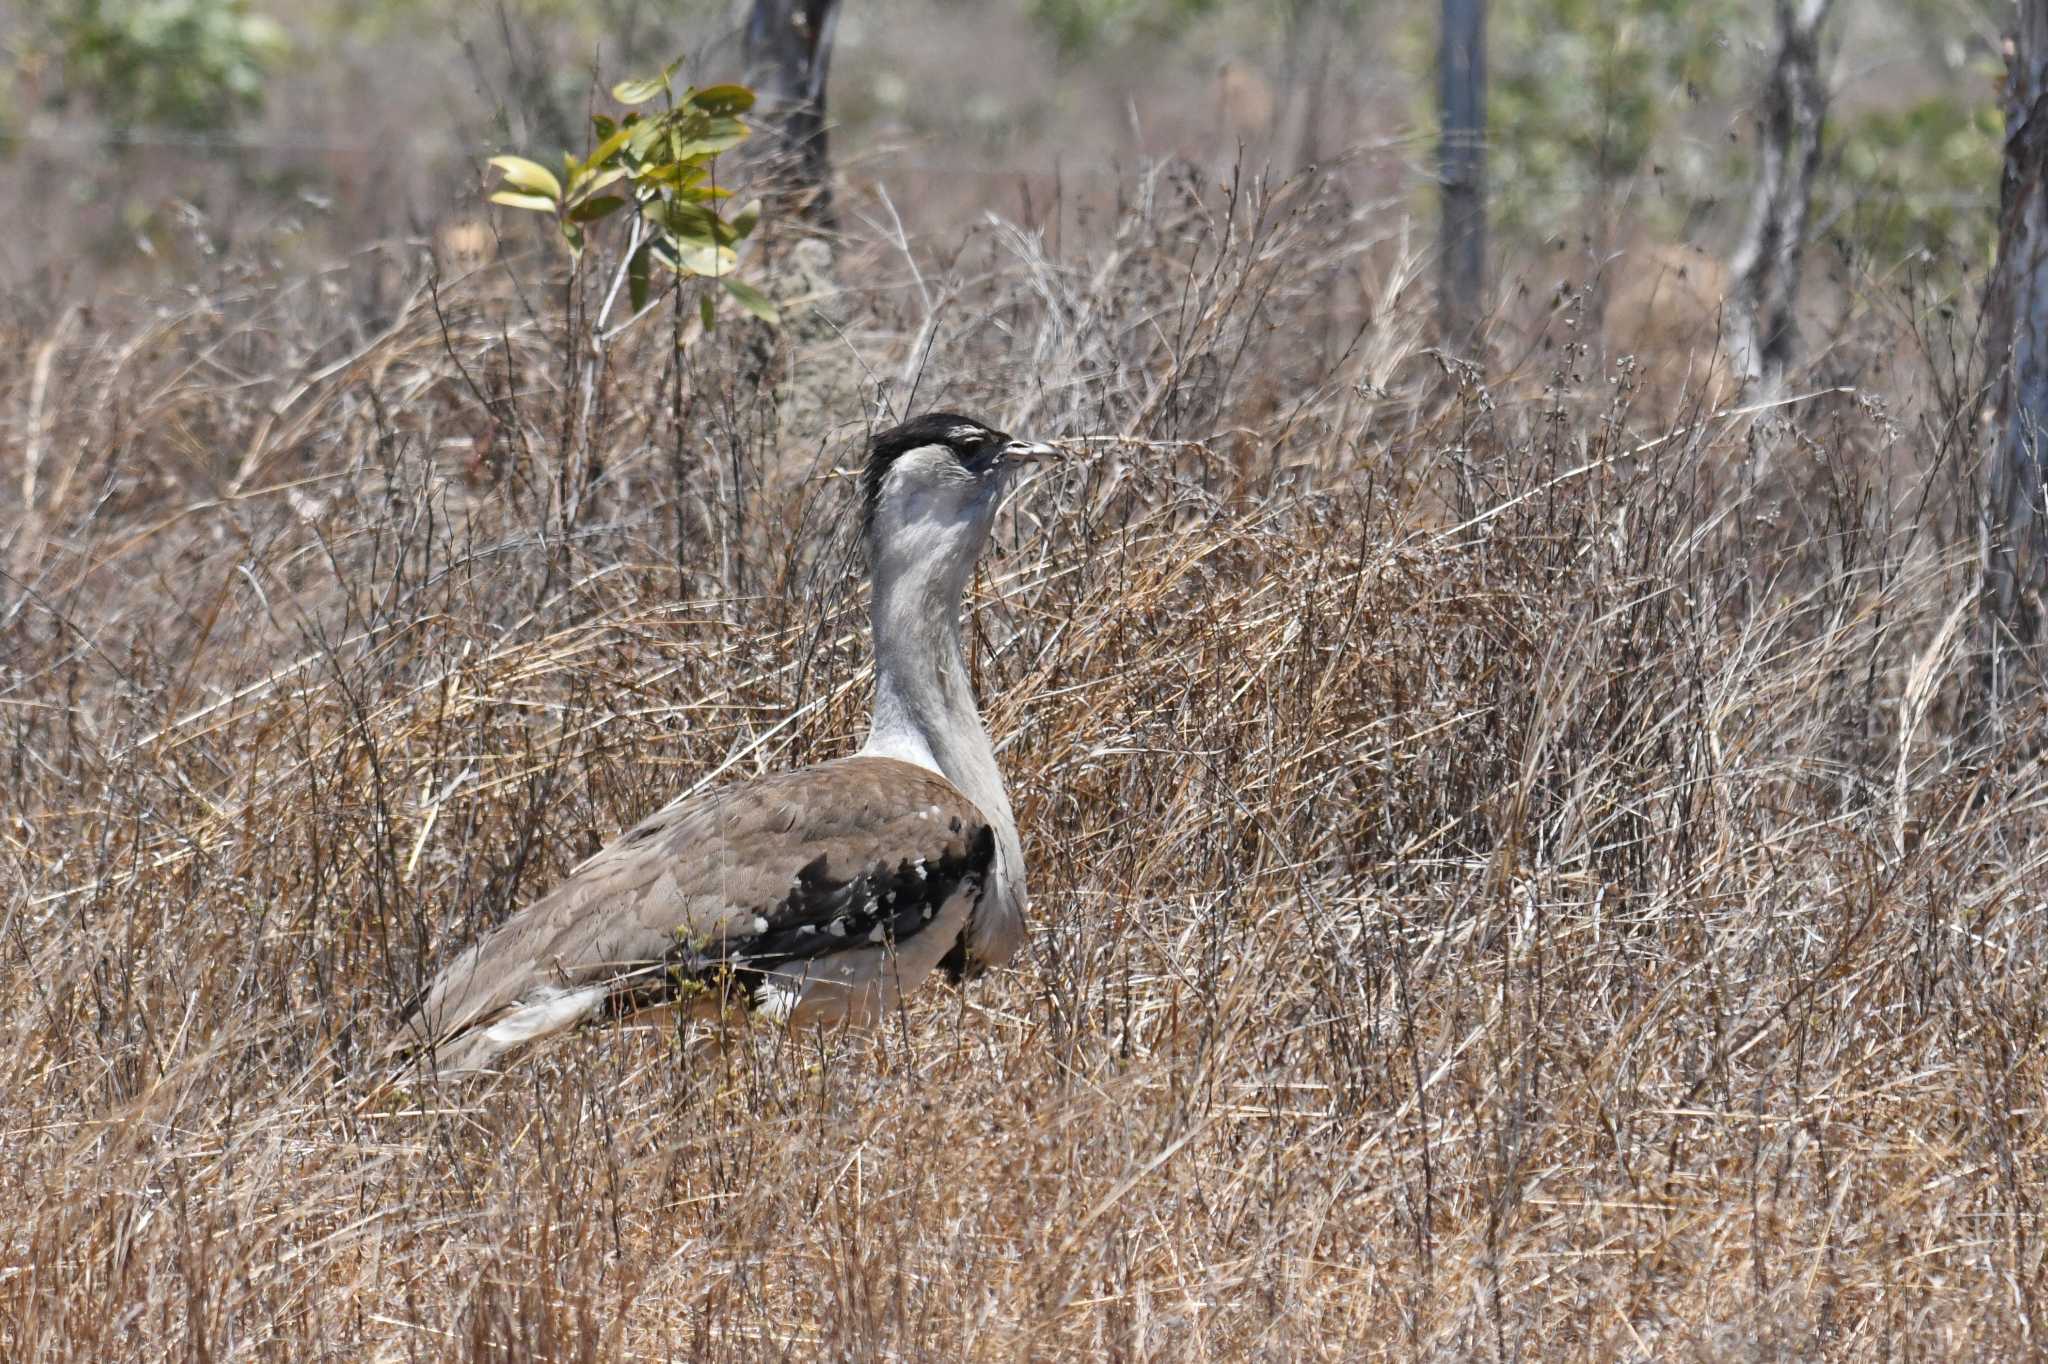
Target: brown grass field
[[1515, 876]]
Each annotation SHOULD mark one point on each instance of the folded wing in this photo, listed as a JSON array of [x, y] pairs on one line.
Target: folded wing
[[815, 895]]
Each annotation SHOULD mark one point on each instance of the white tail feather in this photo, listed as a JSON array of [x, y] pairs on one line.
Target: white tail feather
[[550, 1010]]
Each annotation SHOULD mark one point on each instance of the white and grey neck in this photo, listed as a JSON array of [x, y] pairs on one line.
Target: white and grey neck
[[931, 489], [925, 713]]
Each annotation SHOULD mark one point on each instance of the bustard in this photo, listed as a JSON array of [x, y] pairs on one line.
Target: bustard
[[813, 896]]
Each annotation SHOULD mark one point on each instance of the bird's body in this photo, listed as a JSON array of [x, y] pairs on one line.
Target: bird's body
[[815, 896]]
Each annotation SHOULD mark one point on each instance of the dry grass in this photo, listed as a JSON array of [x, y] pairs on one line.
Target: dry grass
[[1508, 880]]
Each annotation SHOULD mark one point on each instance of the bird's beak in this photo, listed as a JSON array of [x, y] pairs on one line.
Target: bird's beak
[[1030, 451]]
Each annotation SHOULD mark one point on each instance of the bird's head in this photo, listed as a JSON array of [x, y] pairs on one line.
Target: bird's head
[[930, 490]]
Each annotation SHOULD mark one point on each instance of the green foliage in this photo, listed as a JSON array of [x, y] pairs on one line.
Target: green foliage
[[659, 164], [1923, 178], [1601, 100], [1078, 26], [1587, 93], [194, 65]]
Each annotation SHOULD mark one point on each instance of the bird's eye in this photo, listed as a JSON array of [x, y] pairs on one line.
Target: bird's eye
[[966, 437]]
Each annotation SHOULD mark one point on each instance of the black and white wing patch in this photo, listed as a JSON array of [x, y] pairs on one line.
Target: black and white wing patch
[[880, 905], [877, 909]]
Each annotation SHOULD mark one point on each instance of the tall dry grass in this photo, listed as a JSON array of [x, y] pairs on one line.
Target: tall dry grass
[[1510, 880]]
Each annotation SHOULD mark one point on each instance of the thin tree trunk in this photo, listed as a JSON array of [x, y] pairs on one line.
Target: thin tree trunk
[[1461, 76], [1763, 338], [2015, 527], [789, 57], [1317, 106]]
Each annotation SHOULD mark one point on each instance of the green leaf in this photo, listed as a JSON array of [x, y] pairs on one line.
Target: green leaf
[[530, 176], [539, 203], [753, 300], [590, 210], [645, 134], [603, 126], [640, 91], [610, 146], [723, 134], [705, 314], [636, 276], [694, 258], [685, 178], [744, 221], [724, 99], [693, 188], [574, 235], [691, 222]]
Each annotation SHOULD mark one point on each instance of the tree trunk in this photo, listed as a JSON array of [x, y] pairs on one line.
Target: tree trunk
[[1461, 77], [1763, 338], [2015, 530], [789, 56]]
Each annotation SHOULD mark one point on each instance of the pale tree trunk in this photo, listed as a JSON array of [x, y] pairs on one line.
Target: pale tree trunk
[[1461, 85], [789, 57], [1762, 336], [2015, 529]]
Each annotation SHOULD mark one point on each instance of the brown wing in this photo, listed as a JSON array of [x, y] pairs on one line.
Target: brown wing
[[724, 886]]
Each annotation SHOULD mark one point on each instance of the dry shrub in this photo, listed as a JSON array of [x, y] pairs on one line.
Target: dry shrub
[[1502, 888]]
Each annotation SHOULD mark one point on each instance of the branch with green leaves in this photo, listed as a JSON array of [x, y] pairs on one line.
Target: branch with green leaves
[[660, 165]]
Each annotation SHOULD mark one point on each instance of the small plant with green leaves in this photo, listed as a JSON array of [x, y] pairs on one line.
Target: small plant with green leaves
[[659, 165]]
